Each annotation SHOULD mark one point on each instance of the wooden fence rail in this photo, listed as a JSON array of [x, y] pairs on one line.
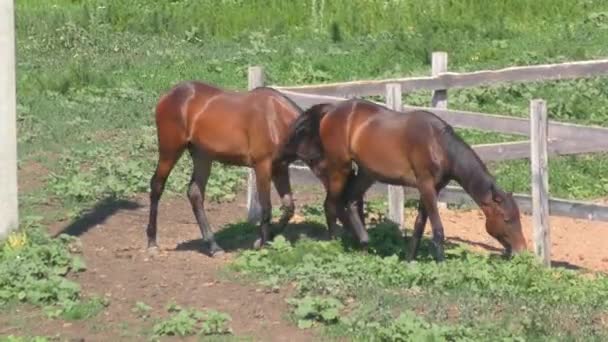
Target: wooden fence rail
[[545, 137], [450, 80], [482, 121]]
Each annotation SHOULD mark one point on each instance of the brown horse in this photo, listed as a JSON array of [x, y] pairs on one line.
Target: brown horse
[[234, 128], [415, 149]]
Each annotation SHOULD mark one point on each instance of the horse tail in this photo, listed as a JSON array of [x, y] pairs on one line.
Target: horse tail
[[305, 129]]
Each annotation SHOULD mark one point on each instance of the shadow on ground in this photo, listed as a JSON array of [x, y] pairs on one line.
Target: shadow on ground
[[242, 235], [385, 239], [103, 210]]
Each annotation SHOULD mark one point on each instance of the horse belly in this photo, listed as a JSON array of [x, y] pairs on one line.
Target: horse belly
[[386, 161], [224, 144]]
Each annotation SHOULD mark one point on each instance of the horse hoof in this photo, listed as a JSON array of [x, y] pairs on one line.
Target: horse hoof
[[153, 250], [217, 252], [258, 244]]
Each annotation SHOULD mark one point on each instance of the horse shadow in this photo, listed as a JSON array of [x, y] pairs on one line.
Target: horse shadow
[[242, 235], [98, 214], [386, 239]]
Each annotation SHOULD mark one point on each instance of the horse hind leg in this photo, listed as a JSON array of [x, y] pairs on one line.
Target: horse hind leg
[[196, 194], [352, 197], [169, 154], [280, 178], [263, 175]]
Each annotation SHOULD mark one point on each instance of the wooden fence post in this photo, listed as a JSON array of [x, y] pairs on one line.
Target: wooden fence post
[[440, 97], [439, 65], [254, 211], [9, 213], [396, 195], [540, 180]]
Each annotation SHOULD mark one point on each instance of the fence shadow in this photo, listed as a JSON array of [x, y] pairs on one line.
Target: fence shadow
[[97, 215]]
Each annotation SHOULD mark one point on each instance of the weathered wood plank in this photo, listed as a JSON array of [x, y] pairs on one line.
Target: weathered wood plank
[[455, 195], [482, 121], [540, 180], [532, 73], [439, 99], [439, 65], [396, 196], [521, 149], [254, 210]]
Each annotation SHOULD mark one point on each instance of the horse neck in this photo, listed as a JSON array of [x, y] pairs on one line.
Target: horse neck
[[470, 172]]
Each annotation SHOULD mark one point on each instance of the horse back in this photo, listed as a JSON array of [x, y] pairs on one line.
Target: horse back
[[234, 127]]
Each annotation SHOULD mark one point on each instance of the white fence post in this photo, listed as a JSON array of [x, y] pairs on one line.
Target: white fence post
[[9, 208], [254, 211], [540, 180], [396, 195], [440, 97]]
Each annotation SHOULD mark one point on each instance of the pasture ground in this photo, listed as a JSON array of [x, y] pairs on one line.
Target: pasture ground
[[120, 269], [88, 76]]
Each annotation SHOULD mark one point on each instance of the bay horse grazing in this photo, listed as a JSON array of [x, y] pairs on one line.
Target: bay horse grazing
[[415, 149], [234, 128]]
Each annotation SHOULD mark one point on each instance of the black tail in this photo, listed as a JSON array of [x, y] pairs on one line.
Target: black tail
[[304, 130]]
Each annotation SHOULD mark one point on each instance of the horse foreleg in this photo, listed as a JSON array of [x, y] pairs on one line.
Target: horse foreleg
[[333, 205], [419, 225], [352, 196], [428, 196]]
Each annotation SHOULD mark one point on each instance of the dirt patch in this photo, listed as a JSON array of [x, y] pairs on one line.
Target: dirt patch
[[575, 243], [120, 268], [31, 177]]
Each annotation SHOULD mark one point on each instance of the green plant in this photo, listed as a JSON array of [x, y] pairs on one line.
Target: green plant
[[78, 310], [187, 322], [309, 309], [482, 296], [33, 267], [12, 338], [142, 310]]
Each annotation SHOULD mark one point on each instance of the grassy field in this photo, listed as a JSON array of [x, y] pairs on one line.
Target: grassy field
[[89, 75], [376, 297]]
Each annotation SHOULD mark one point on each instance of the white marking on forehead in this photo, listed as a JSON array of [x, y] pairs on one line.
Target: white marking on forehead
[[200, 112]]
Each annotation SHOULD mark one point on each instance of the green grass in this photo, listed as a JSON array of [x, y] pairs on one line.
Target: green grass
[[90, 73], [346, 294], [12, 338], [188, 322], [470, 297], [33, 269]]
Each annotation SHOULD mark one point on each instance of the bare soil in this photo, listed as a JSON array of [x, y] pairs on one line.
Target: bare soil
[[119, 267]]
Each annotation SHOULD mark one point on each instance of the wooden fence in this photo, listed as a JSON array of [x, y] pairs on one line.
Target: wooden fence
[[546, 138]]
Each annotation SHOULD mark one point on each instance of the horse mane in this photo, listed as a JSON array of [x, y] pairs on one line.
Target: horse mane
[[467, 166], [305, 126]]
